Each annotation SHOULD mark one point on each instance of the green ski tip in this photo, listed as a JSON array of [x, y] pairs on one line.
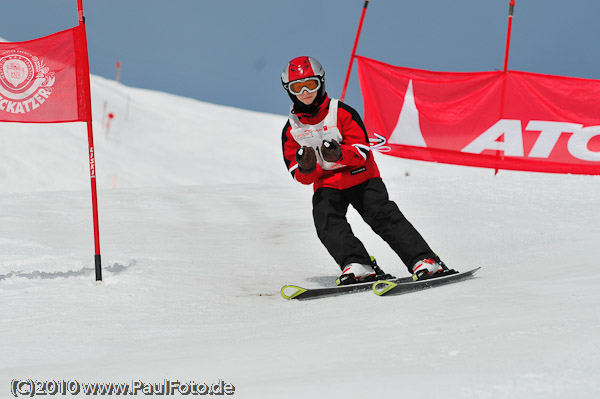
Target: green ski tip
[[383, 286], [293, 291]]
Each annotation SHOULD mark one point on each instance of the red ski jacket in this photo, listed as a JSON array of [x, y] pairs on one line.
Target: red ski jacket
[[334, 120]]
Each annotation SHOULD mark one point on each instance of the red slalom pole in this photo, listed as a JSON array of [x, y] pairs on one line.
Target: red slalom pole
[[91, 152], [362, 17], [511, 9]]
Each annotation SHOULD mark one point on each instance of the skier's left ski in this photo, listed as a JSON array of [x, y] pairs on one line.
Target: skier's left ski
[[296, 292], [393, 287]]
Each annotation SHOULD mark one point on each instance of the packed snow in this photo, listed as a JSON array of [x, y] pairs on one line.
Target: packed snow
[[201, 225]]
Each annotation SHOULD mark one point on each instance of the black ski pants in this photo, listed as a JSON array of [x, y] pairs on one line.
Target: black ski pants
[[372, 202]]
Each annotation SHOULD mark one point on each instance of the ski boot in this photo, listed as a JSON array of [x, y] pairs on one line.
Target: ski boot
[[430, 268], [355, 273]]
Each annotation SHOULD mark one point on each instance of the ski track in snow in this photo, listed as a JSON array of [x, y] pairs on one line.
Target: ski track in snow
[[201, 225]]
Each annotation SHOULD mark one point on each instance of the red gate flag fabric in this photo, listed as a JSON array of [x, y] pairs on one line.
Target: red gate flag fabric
[[45, 80], [514, 120]]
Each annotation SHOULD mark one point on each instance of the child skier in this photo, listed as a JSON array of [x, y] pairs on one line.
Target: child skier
[[325, 144]]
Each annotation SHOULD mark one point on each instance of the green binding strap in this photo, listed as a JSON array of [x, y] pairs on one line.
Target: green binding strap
[[297, 291], [380, 291]]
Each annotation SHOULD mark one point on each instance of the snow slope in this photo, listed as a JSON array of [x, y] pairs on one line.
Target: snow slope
[[201, 225]]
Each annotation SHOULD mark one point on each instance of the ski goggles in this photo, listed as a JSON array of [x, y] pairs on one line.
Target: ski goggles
[[310, 85]]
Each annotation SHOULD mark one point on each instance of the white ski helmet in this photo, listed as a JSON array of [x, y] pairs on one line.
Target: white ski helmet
[[301, 69]]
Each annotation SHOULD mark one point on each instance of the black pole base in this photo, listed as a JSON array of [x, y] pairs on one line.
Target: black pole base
[[98, 269]]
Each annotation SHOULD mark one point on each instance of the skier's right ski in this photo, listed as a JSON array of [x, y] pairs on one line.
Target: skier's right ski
[[299, 293]]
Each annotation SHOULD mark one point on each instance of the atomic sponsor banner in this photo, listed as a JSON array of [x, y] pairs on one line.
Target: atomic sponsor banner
[[40, 80], [502, 120]]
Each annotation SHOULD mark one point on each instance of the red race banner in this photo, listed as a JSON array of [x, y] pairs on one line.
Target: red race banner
[[502, 120], [44, 80]]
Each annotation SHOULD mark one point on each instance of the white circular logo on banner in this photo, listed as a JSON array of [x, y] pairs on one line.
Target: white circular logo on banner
[[25, 82]]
